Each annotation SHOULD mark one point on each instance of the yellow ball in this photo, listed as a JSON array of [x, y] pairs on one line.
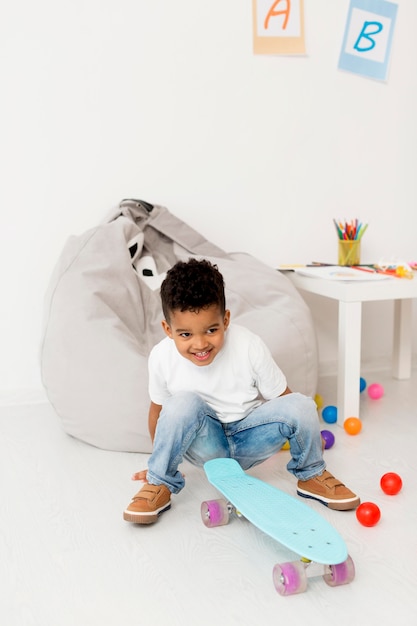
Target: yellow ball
[[318, 400], [286, 446]]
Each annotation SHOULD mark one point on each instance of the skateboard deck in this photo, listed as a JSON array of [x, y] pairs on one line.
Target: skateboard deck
[[292, 523]]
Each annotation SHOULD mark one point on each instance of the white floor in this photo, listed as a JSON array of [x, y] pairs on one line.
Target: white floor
[[67, 558]]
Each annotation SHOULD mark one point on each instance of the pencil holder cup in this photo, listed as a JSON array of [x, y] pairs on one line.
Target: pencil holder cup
[[349, 252]]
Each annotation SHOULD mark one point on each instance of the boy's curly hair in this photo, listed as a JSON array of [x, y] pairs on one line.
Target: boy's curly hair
[[192, 285]]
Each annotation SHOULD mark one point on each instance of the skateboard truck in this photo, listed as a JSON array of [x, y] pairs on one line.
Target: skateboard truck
[[290, 578]]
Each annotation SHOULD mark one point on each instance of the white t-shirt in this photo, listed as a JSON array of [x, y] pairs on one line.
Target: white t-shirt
[[241, 377]]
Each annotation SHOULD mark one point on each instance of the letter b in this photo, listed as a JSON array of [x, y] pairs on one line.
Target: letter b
[[366, 34]]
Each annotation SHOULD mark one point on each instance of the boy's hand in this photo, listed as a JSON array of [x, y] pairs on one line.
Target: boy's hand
[[142, 475]]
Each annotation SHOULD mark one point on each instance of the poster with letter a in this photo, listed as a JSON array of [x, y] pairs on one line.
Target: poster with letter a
[[278, 26], [368, 37]]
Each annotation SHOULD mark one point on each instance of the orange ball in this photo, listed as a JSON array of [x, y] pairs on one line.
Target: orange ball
[[352, 425]]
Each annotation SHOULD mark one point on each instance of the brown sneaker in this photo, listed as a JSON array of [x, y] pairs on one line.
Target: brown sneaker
[[148, 504], [329, 491]]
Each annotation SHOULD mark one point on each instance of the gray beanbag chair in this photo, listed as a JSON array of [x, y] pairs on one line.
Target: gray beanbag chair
[[103, 316]]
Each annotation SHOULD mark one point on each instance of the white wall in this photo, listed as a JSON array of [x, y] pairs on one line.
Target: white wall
[[109, 99]]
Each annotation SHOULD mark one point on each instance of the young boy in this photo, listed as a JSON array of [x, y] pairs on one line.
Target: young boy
[[217, 392]]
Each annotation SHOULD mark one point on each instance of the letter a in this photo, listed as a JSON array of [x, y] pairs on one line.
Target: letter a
[[273, 13], [367, 35]]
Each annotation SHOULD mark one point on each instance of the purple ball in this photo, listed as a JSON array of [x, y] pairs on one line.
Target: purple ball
[[328, 438]]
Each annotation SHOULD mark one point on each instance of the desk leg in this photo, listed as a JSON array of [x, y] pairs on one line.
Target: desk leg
[[349, 360], [401, 358]]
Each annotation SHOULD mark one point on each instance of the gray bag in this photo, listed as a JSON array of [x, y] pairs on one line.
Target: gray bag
[[103, 316]]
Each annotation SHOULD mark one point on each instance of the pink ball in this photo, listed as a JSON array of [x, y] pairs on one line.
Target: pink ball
[[375, 391]]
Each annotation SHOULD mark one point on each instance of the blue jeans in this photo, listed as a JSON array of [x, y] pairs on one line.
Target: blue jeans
[[188, 428]]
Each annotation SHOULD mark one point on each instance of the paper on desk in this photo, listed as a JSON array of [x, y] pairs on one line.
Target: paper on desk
[[336, 272]]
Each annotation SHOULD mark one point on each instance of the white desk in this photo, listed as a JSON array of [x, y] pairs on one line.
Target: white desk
[[350, 296]]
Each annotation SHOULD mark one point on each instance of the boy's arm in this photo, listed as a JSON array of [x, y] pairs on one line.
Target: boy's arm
[[154, 411]]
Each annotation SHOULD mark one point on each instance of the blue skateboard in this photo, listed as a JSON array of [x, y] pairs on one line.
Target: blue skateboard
[[287, 520]]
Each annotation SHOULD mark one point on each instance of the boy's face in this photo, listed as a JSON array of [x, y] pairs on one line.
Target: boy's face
[[198, 337]]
